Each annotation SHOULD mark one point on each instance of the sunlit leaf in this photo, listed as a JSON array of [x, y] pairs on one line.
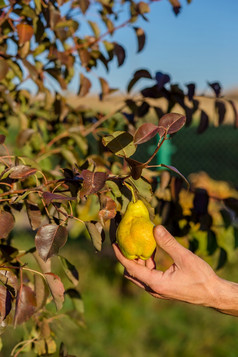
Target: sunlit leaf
[[25, 32], [41, 291], [96, 233], [85, 85], [120, 143]]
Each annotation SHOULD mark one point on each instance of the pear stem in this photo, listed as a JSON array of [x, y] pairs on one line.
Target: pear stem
[[132, 191]]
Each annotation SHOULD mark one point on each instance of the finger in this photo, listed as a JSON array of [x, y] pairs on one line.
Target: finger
[[143, 286], [135, 270], [140, 262], [150, 263], [169, 244]]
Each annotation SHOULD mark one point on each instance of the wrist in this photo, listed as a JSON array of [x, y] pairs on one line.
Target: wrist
[[225, 296]]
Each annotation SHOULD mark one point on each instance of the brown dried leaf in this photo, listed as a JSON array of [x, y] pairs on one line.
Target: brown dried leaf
[[34, 214], [6, 223], [108, 209], [25, 305], [56, 288], [25, 33], [85, 85], [21, 172]]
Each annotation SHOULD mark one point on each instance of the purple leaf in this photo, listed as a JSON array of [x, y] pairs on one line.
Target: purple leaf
[[142, 73], [49, 239], [92, 182], [172, 168], [145, 132], [204, 122], [161, 79], [171, 123], [140, 34], [49, 196], [2, 139]]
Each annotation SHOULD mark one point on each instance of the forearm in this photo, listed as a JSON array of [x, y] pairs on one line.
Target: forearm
[[226, 299]]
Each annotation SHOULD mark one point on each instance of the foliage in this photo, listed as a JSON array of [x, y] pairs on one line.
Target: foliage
[[64, 165]]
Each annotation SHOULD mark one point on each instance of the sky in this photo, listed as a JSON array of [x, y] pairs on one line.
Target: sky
[[198, 45]]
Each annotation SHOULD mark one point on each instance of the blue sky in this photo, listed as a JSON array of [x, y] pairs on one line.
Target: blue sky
[[200, 45]]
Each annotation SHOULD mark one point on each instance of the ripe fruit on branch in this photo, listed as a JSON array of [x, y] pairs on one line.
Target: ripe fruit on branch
[[135, 232]]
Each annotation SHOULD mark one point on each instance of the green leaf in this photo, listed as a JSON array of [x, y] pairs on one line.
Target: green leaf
[[2, 4], [222, 258], [95, 28], [120, 143], [96, 233], [70, 270], [41, 291]]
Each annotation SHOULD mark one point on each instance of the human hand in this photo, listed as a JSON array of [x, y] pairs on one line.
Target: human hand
[[189, 278]]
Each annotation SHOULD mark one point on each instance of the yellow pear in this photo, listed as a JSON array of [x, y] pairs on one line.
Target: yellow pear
[[135, 232]]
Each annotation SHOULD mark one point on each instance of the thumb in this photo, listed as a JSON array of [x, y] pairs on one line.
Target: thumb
[[169, 244]]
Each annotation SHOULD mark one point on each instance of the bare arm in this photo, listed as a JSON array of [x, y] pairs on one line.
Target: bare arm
[[189, 278]]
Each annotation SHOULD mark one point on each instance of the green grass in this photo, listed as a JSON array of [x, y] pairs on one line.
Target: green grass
[[123, 321], [215, 151]]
